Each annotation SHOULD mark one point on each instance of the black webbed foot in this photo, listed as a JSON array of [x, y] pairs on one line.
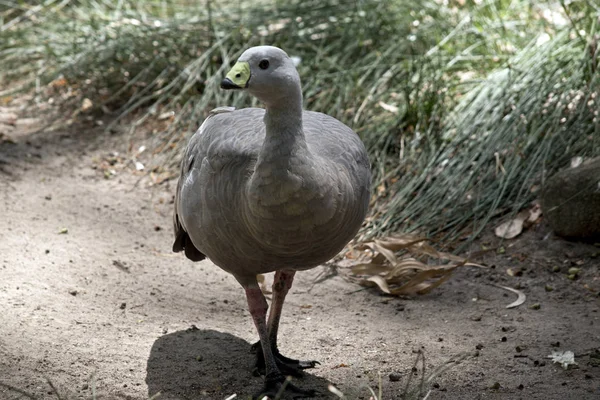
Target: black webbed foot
[[287, 366]]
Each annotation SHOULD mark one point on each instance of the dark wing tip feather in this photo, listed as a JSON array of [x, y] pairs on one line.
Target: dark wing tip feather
[[184, 243]]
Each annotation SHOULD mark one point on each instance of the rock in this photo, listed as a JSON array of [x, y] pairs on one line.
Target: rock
[[395, 377], [571, 201]]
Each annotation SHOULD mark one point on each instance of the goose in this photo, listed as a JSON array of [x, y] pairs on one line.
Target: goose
[[278, 189]]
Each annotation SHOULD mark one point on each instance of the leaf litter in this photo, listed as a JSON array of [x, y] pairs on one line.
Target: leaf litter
[[513, 228], [520, 296], [564, 358], [399, 265]]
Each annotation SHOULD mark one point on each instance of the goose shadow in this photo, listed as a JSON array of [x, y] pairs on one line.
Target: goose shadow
[[208, 364]]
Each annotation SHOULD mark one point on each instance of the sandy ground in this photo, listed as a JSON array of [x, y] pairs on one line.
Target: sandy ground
[[105, 310]]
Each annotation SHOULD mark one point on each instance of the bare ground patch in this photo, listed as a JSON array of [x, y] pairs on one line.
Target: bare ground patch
[[105, 307]]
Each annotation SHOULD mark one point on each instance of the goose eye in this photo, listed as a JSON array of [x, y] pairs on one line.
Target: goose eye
[[264, 64]]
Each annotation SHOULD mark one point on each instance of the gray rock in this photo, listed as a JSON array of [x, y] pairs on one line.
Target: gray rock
[[571, 201]]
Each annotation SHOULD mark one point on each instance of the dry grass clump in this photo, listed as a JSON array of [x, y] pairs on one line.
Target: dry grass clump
[[400, 265]]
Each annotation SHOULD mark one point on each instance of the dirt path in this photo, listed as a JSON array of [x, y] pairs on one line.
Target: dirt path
[[106, 308]]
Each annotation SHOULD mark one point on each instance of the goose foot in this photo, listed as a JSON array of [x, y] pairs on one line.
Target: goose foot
[[287, 366], [278, 384]]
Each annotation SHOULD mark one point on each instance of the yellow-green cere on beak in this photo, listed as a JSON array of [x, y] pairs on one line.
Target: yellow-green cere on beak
[[238, 77]]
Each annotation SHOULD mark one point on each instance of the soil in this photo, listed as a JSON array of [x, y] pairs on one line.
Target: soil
[[95, 305]]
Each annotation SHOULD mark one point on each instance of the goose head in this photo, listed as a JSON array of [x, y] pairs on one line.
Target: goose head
[[267, 73]]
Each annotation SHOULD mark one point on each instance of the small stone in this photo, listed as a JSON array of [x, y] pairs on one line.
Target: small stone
[[395, 377], [122, 306], [73, 292], [556, 268], [47, 251], [574, 271], [503, 339], [535, 306], [548, 288], [479, 346], [520, 387]]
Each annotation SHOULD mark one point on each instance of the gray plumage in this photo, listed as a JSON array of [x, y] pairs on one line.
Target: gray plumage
[[290, 206], [261, 191]]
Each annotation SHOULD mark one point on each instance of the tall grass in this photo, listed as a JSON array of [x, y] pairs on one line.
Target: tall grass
[[503, 138], [444, 93]]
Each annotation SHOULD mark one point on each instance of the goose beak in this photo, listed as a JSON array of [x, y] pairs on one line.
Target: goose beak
[[238, 77], [227, 84]]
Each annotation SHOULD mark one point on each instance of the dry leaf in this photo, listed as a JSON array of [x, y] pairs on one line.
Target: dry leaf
[[58, 82], [576, 162], [510, 229], [377, 264], [565, 358], [513, 228], [520, 299], [379, 281]]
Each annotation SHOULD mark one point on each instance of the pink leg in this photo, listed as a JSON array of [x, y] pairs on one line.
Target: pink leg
[[258, 309], [274, 380], [281, 286]]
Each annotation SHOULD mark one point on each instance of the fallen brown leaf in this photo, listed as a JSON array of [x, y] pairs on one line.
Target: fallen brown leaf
[[378, 264], [520, 296]]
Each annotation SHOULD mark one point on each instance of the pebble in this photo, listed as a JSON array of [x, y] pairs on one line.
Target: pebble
[[395, 377]]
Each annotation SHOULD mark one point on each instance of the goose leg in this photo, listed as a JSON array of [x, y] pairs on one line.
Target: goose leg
[[281, 285], [274, 379]]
